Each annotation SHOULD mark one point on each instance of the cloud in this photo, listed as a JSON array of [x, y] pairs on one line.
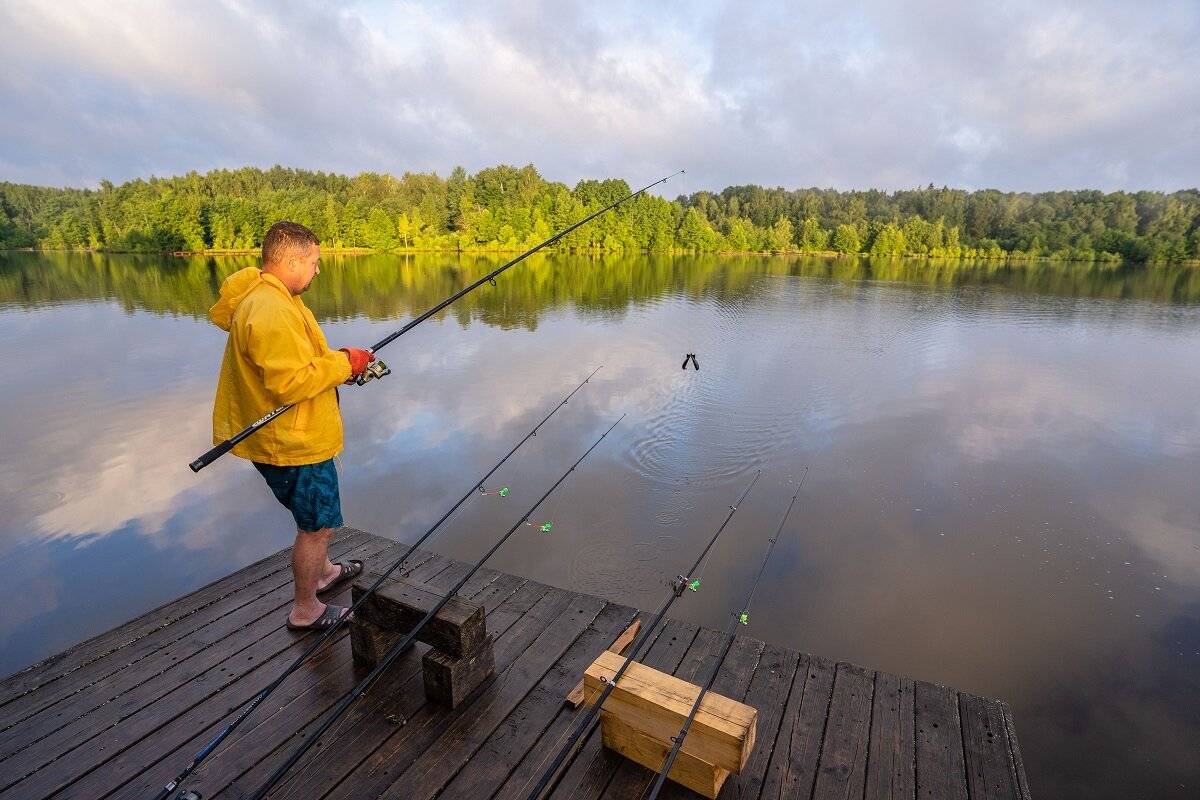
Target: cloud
[[1020, 95]]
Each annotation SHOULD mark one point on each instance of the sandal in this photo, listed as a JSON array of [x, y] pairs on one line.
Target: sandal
[[331, 616], [349, 569]]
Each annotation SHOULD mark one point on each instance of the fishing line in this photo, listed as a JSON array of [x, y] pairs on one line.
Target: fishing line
[[739, 618], [328, 633]]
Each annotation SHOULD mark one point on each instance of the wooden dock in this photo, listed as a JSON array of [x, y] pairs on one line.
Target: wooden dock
[[117, 716]]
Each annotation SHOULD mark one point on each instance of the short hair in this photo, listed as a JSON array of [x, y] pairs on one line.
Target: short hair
[[285, 237]]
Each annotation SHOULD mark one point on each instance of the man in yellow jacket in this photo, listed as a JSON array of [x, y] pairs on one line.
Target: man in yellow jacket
[[276, 355]]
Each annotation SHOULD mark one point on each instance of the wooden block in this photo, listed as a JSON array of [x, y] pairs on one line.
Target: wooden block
[[656, 704], [369, 642], [651, 753], [398, 605], [449, 681], [575, 698]]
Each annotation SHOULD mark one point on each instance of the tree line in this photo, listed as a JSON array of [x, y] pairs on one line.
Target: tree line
[[508, 208], [387, 286]]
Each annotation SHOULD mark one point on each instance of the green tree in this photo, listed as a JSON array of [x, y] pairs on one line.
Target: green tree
[[845, 239], [889, 241], [813, 238], [779, 238], [696, 234]]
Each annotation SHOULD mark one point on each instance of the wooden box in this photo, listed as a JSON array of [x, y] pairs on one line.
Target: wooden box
[[647, 708]]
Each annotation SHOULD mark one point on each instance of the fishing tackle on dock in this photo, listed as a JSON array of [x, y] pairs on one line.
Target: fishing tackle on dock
[[743, 618], [380, 369], [328, 633], [401, 646], [679, 585]]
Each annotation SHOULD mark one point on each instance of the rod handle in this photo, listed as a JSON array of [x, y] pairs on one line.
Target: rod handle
[[212, 455]]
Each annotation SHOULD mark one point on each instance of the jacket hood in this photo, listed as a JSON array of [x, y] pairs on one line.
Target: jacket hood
[[233, 291]]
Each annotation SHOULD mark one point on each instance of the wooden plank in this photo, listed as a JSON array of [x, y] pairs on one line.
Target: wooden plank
[[990, 773], [1014, 752], [768, 692], [357, 758], [792, 770], [280, 722], [733, 680], [592, 763], [657, 704], [939, 749], [87, 743], [173, 657], [55, 667], [892, 760], [541, 676], [842, 768], [575, 697]]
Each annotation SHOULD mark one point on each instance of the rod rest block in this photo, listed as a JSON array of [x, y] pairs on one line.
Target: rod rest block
[[396, 608], [450, 681], [648, 707]]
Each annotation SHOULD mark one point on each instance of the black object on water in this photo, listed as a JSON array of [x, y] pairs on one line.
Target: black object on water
[[258, 699], [227, 445], [587, 721], [401, 646], [692, 358]]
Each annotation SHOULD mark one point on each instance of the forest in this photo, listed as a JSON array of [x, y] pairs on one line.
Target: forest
[[507, 208]]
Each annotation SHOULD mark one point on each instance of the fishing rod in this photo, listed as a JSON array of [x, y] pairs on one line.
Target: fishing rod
[[378, 369], [742, 618], [678, 585], [328, 633], [398, 649]]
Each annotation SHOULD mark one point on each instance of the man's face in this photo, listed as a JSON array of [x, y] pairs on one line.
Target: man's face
[[307, 265]]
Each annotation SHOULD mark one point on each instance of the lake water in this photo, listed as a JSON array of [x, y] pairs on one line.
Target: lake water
[[1003, 462]]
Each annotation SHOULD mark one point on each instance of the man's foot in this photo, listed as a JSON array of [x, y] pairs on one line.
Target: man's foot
[[326, 618], [336, 573]]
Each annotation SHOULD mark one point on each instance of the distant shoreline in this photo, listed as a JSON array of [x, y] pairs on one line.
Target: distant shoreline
[[362, 251]]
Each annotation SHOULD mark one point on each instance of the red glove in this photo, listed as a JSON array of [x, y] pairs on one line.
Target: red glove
[[358, 359]]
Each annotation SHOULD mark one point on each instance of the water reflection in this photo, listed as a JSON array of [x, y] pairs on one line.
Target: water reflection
[[1002, 493]]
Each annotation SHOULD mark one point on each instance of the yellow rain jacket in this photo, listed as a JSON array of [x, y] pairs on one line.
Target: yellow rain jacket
[[276, 355]]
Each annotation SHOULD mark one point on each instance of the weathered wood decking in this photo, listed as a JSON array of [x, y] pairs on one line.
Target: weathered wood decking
[[119, 715]]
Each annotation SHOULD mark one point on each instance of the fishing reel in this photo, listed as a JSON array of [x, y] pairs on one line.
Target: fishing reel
[[376, 369], [680, 582]]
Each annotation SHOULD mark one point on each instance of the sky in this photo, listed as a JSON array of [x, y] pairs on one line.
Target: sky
[[1031, 95]]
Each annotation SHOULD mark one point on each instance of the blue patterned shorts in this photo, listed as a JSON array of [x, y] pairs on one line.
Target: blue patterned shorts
[[309, 491]]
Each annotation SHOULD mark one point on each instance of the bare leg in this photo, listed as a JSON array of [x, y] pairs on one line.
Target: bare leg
[[312, 570]]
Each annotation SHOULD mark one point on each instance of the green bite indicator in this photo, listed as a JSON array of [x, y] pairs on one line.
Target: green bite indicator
[[744, 618], [545, 527], [694, 585], [503, 491]]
